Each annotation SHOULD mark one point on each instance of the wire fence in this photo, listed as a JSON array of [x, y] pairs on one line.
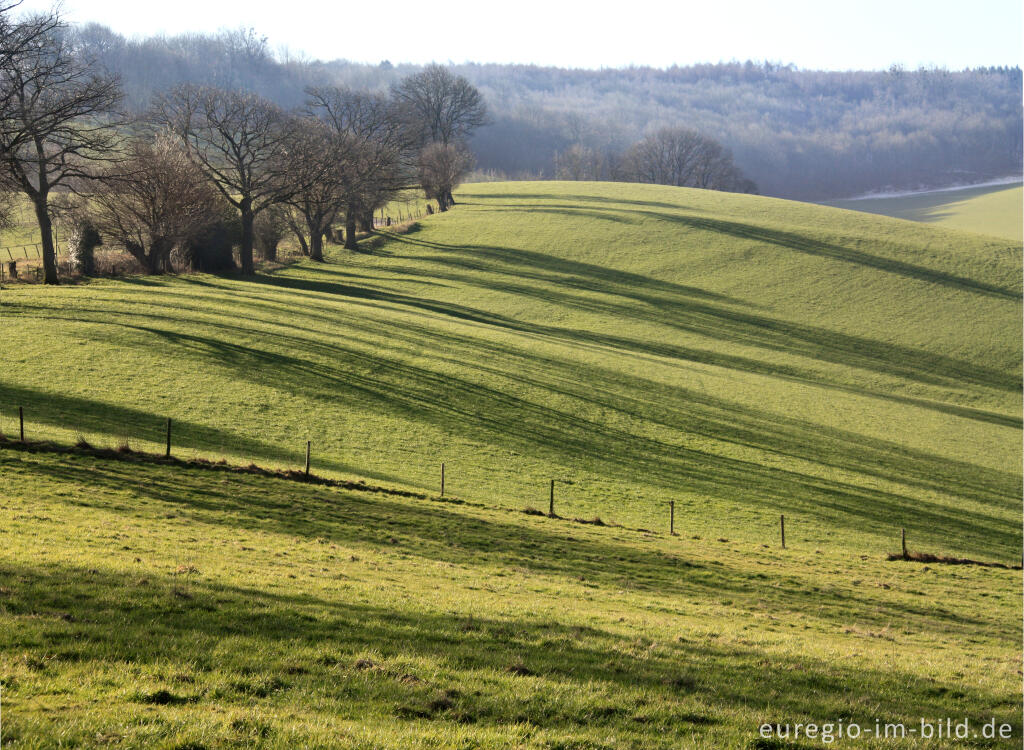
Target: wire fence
[[60, 423], [386, 218], [73, 420]]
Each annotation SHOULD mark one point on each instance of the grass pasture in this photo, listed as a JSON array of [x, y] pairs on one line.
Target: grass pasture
[[739, 356], [153, 607], [996, 210]]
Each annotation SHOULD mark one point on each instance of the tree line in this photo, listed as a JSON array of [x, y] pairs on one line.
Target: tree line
[[805, 134], [669, 156], [253, 146], [202, 168]]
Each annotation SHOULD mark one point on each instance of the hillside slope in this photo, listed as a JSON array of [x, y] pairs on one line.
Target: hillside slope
[[741, 356], [996, 210]]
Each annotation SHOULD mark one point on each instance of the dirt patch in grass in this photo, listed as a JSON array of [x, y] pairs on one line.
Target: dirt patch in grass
[[925, 557]]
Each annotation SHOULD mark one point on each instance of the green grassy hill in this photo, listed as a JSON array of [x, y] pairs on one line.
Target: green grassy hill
[[741, 356], [996, 210]]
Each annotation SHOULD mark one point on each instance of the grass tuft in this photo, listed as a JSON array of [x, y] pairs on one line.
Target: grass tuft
[[519, 670]]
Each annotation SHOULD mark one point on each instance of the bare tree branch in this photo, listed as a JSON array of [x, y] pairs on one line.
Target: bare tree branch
[[241, 141], [157, 199], [54, 118], [440, 107]]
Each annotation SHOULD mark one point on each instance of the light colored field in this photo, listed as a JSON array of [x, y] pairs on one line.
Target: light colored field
[[996, 210], [741, 356]]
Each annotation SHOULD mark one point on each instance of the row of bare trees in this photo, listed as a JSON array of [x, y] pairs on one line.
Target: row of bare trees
[[207, 167]]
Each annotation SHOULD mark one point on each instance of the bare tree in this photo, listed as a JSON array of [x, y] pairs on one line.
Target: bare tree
[[53, 127], [685, 158], [269, 229], [153, 201], [379, 151], [440, 107], [6, 207], [323, 163], [579, 162], [442, 168], [240, 141], [20, 38]]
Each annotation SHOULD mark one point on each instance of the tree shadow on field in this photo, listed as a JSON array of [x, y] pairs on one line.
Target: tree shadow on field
[[228, 640], [464, 406], [440, 532], [683, 309], [578, 336], [117, 423], [776, 237], [106, 425], [559, 210], [809, 246], [463, 393]]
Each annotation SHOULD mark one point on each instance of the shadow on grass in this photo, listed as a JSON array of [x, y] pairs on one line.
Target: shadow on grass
[[683, 309], [308, 642], [459, 403], [502, 540], [117, 425]]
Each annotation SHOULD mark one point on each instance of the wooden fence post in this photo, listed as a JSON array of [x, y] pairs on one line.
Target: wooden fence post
[[551, 499], [21, 423], [782, 527], [671, 517], [442, 479], [309, 444], [168, 455], [903, 540]]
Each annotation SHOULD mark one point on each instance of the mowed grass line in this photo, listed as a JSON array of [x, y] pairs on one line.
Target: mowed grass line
[[741, 356], [150, 606]]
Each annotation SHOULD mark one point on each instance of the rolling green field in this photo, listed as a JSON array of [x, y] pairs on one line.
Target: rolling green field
[[996, 210], [740, 356]]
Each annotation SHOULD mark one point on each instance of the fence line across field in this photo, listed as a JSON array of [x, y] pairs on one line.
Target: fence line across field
[[159, 433]]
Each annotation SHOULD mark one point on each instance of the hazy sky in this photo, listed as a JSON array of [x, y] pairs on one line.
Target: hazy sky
[[852, 34]]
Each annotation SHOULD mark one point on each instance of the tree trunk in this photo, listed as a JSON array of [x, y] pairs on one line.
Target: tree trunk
[[449, 198], [315, 225], [350, 231], [146, 260], [160, 256], [299, 234], [316, 245], [41, 206], [245, 252]]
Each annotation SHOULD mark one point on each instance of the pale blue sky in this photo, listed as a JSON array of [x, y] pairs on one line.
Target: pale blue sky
[[852, 34]]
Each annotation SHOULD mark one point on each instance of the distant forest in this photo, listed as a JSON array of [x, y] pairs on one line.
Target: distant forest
[[809, 135]]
